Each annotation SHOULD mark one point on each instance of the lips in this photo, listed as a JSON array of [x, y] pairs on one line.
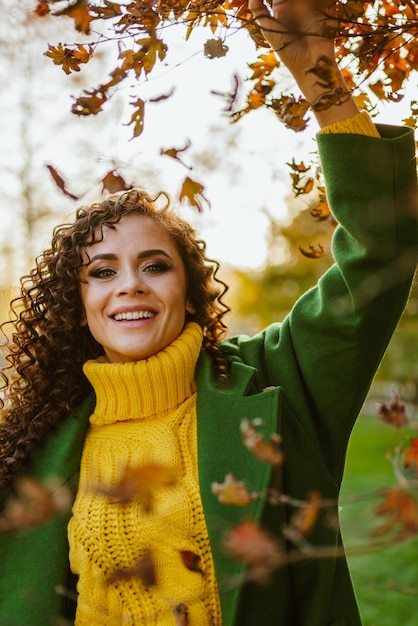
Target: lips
[[133, 315]]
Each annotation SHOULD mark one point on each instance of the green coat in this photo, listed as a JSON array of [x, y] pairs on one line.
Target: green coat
[[318, 365]]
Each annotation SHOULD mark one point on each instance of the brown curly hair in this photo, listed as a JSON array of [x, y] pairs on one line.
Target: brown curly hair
[[47, 347]]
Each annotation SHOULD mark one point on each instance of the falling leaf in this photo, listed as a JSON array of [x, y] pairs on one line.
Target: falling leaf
[[313, 252], [191, 561], [69, 58], [137, 119], [42, 9], [291, 111], [34, 503], [113, 183], [401, 510], [411, 455], [254, 547], [90, 104], [144, 569], [303, 519], [215, 48], [394, 413], [232, 491], [79, 12], [140, 482], [173, 153], [321, 212], [181, 615], [192, 191], [162, 97], [298, 167], [269, 452], [60, 183]]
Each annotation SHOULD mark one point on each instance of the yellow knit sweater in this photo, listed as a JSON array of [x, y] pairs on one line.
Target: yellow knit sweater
[[145, 415]]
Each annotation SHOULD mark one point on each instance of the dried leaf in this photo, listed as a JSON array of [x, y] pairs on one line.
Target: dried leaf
[[42, 9], [140, 482], [401, 510], [232, 491], [113, 183], [69, 58], [291, 111], [394, 413], [304, 519], [269, 452], [60, 183], [313, 252], [34, 503], [411, 455], [79, 12], [191, 561], [325, 71], [254, 547], [137, 118], [215, 48], [144, 569], [192, 191], [173, 153]]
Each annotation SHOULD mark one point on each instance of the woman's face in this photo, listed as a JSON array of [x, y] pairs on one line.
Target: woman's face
[[134, 290]]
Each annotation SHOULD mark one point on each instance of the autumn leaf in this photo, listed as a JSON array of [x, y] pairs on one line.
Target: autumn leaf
[[393, 413], [401, 512], [313, 252], [411, 455], [174, 153], [325, 72], [192, 191], [42, 9], [79, 12], [140, 482], [321, 212], [269, 452], [69, 58], [34, 503], [291, 111], [89, 104], [113, 183], [303, 519], [232, 491], [191, 561], [255, 548], [60, 183], [298, 167], [137, 119], [214, 49], [144, 569]]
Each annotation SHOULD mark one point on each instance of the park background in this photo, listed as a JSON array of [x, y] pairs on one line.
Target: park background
[[245, 170]]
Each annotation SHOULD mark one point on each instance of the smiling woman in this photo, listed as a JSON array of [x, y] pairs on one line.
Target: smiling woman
[[122, 385]]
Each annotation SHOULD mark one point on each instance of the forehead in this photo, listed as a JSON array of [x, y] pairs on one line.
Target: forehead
[[134, 231]]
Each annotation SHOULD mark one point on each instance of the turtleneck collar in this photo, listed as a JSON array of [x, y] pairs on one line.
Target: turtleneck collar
[[148, 387]]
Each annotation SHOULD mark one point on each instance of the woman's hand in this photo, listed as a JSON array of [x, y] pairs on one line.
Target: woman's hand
[[299, 32]]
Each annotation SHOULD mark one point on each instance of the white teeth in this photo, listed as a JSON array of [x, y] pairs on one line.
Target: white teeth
[[133, 315]]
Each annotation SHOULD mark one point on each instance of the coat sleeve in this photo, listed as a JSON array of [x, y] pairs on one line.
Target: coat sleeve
[[325, 353]]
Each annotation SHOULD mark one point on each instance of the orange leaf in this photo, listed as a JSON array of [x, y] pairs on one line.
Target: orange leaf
[[137, 118], [140, 482], [192, 191], [173, 153], [394, 413], [60, 183], [114, 183], [401, 511], [303, 519], [42, 9], [313, 252], [79, 12], [232, 491], [411, 455], [70, 59], [269, 452]]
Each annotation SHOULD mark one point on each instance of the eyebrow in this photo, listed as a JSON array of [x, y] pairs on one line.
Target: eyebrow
[[145, 254]]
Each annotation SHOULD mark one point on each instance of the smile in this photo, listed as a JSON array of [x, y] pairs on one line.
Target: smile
[[133, 315]]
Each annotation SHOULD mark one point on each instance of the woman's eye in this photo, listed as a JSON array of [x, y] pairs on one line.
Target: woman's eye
[[157, 268], [102, 272]]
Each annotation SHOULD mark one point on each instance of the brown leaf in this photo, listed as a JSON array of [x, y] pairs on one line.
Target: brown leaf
[[137, 119], [269, 452], [313, 252], [232, 491], [191, 561], [401, 510], [60, 183], [140, 482], [69, 58], [215, 48], [254, 547], [394, 413], [42, 9], [173, 153], [113, 183], [144, 569], [79, 12], [303, 519], [90, 104], [192, 191], [291, 111]]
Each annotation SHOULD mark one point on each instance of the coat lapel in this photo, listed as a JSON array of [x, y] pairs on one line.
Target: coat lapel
[[221, 451]]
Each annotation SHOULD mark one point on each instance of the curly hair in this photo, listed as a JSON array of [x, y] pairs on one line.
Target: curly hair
[[47, 345]]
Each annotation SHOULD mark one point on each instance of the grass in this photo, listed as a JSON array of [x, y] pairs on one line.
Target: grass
[[385, 580]]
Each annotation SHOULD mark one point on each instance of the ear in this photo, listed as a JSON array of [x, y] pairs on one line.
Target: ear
[[190, 308]]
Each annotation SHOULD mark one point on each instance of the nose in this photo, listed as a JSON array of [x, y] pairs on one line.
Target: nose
[[132, 282]]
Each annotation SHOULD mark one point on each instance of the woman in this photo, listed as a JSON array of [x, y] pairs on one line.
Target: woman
[[125, 304]]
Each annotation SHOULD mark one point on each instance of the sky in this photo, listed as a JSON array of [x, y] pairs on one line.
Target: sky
[[242, 165]]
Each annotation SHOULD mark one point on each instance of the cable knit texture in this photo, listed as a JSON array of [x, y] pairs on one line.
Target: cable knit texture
[[145, 414], [360, 124]]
